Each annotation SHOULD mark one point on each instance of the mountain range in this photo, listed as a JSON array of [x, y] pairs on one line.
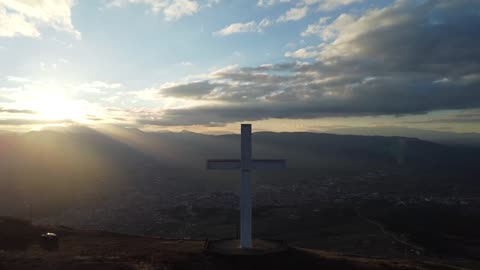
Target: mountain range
[[445, 137]]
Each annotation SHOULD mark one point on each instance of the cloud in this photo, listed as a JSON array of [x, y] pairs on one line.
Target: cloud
[[3, 110], [211, 3], [23, 122], [301, 9], [294, 14], [185, 64], [180, 8], [251, 26], [193, 89], [155, 5], [17, 79], [467, 116], [171, 9], [323, 5], [397, 60], [380, 35], [317, 28], [269, 3], [305, 53], [329, 5], [25, 18], [101, 85], [16, 25], [330, 31]]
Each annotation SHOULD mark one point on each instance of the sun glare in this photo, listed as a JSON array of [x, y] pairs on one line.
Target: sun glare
[[53, 101], [57, 108]]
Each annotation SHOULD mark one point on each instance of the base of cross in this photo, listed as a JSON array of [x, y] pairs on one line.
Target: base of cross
[[232, 247]]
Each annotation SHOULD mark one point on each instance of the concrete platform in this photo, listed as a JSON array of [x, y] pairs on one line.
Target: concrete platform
[[232, 247]]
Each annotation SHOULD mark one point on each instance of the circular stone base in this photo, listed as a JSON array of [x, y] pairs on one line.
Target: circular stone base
[[232, 247]]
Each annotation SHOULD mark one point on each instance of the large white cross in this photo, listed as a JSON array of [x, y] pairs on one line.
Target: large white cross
[[246, 164]]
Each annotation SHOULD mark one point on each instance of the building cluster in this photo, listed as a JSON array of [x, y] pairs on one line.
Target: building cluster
[[144, 211]]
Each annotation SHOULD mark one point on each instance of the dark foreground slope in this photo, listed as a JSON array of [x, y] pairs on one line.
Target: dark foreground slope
[[20, 249]]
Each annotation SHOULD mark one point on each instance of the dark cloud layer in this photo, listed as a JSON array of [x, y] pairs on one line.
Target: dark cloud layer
[[194, 89], [23, 122], [2, 110], [412, 57], [469, 117]]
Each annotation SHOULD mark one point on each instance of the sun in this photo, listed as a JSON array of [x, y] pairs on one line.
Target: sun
[[54, 101], [58, 108]]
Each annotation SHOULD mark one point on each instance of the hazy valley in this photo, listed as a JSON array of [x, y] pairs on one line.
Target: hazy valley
[[370, 195]]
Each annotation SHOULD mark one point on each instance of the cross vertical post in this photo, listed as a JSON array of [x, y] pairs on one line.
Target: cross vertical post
[[246, 192], [246, 165]]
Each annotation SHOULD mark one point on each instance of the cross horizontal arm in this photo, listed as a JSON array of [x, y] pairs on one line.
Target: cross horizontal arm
[[257, 164], [224, 164], [269, 164]]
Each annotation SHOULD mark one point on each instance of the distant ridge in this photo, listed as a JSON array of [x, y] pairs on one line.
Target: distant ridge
[[445, 137]]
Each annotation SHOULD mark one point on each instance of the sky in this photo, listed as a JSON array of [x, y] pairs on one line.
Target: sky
[[208, 65]]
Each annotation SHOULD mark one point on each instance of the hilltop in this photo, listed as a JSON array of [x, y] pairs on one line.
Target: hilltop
[[78, 249]]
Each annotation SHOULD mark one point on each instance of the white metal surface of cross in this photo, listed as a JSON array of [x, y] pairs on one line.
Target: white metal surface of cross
[[246, 164]]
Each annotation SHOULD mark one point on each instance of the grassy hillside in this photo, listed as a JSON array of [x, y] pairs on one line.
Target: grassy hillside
[[102, 250]]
